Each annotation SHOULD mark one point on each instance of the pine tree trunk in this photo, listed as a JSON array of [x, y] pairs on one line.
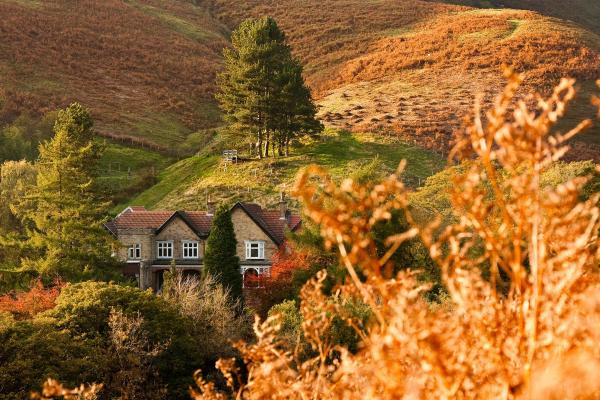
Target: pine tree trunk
[[287, 146], [267, 145], [259, 143]]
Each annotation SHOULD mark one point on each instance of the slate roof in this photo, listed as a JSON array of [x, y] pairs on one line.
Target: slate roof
[[270, 221]]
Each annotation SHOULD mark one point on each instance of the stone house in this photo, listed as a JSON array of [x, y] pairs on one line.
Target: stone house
[[152, 240]]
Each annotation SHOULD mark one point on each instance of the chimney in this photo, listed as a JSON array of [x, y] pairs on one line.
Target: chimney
[[282, 207], [210, 206]]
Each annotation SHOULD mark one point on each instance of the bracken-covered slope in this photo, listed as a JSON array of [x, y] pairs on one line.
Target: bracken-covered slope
[[416, 67], [584, 12], [146, 68]]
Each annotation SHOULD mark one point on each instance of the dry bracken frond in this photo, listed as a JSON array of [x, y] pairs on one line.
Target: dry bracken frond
[[535, 338], [52, 389]]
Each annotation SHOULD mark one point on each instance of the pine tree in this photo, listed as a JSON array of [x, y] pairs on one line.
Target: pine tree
[[261, 78], [220, 258], [295, 112], [63, 212]]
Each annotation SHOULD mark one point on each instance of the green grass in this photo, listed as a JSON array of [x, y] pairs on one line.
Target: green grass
[[172, 180], [180, 25], [186, 184], [124, 171]]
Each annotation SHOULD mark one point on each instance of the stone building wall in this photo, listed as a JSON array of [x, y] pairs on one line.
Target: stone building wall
[[178, 231], [246, 229], [132, 236]]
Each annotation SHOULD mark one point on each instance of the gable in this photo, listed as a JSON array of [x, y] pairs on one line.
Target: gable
[[176, 229], [246, 228]]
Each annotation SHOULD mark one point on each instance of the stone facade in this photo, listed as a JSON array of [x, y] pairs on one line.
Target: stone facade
[[247, 230], [178, 231], [138, 226], [130, 237]]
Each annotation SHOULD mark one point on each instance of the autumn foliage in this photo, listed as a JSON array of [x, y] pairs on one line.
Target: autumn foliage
[[412, 68], [262, 292], [153, 60], [24, 305], [538, 339]]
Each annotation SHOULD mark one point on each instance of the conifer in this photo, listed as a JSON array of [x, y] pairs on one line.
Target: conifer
[[261, 91], [220, 258], [63, 211]]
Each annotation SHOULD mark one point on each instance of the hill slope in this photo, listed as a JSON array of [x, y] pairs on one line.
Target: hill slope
[[145, 68], [584, 12], [187, 183]]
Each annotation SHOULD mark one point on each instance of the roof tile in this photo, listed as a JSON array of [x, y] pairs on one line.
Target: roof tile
[[136, 217]]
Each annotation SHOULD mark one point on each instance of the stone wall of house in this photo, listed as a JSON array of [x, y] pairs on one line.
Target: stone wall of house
[[178, 231], [246, 229], [130, 237]]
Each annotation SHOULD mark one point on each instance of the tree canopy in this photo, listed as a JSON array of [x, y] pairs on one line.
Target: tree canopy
[[220, 258], [262, 92], [62, 212]]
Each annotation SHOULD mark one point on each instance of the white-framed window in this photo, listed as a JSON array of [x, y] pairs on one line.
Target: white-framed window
[[255, 250], [164, 249], [134, 252], [190, 249]]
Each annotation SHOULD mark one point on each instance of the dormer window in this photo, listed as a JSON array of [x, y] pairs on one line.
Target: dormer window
[[164, 249], [190, 249], [134, 252], [255, 250]]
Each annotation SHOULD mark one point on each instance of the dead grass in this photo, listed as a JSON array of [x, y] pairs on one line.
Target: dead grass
[[128, 61], [536, 338]]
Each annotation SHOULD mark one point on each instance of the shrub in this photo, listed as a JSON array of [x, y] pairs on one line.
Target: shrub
[[84, 310], [212, 314], [23, 305], [130, 340], [536, 340]]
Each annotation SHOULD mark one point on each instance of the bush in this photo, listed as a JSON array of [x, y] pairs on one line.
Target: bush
[[211, 312], [84, 309], [31, 351], [26, 304], [130, 340]]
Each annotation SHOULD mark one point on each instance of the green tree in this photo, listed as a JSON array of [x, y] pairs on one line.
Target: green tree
[[262, 92], [220, 258], [63, 213], [294, 111], [16, 177]]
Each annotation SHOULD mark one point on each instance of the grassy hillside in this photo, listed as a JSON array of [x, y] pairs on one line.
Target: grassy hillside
[[124, 171], [146, 68], [416, 67], [187, 183], [584, 12]]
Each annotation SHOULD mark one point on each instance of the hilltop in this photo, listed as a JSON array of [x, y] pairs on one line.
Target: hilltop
[[583, 12], [187, 183], [146, 68]]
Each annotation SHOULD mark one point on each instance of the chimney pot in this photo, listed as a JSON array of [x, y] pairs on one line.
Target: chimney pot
[[210, 206], [283, 207]]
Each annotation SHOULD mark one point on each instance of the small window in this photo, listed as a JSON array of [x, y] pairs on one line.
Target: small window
[[190, 249], [134, 252], [255, 250], [164, 249]]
